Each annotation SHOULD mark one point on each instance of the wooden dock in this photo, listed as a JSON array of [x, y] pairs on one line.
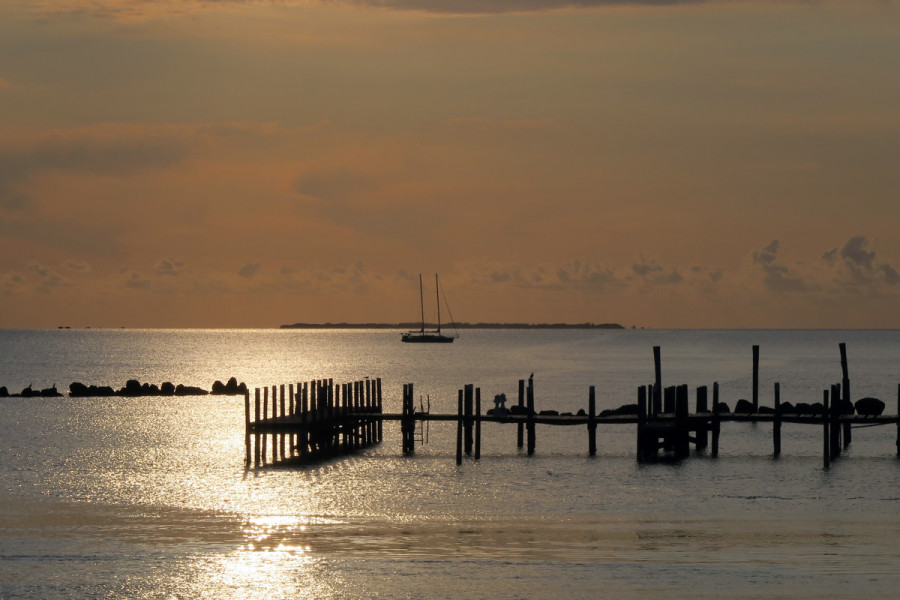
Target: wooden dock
[[320, 420]]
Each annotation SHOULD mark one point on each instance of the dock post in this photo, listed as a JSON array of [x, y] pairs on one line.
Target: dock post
[[657, 384], [834, 417], [378, 409], [282, 435], [257, 453], [370, 402], [642, 420], [669, 400], [755, 379], [247, 427], [520, 428], [702, 440], [265, 416], [716, 422], [530, 408], [592, 424], [826, 435], [845, 385], [459, 427], [898, 420], [467, 406], [408, 425], [477, 423], [292, 411], [682, 423], [776, 423]]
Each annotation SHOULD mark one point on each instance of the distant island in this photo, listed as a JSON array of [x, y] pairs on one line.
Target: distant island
[[456, 325]]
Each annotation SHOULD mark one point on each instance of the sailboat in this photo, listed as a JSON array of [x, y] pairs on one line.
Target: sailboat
[[421, 336]]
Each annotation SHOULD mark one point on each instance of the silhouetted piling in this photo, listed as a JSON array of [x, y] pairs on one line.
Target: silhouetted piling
[[520, 428], [459, 428], [477, 418], [716, 421], [755, 379], [641, 424], [776, 423], [530, 408], [247, 440], [845, 392], [592, 423], [657, 384], [702, 440], [468, 401]]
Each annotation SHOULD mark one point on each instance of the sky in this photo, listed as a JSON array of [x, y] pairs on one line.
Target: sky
[[659, 164]]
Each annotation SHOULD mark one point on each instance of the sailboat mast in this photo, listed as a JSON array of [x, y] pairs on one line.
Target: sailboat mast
[[422, 302], [437, 294]]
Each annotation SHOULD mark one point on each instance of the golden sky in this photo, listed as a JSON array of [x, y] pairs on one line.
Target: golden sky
[[252, 163]]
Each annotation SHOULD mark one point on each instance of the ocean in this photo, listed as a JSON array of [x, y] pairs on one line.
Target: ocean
[[149, 497]]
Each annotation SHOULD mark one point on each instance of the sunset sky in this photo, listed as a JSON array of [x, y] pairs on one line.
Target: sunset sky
[[251, 163]]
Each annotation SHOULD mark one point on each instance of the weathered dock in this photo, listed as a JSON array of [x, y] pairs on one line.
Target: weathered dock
[[314, 421], [320, 420]]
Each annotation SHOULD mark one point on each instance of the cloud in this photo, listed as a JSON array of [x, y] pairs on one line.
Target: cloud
[[44, 278], [506, 6], [130, 11], [854, 252], [856, 265], [249, 270], [332, 183], [101, 152], [78, 266], [133, 279], [169, 267], [778, 277]]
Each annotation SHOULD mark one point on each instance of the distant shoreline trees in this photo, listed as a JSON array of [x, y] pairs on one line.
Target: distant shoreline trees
[[456, 325]]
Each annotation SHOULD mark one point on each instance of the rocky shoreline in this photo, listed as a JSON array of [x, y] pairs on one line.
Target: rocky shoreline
[[133, 388]]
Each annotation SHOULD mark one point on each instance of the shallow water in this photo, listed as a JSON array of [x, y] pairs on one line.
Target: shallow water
[[149, 497]]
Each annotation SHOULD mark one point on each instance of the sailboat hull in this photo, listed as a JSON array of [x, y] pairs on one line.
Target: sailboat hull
[[415, 337]]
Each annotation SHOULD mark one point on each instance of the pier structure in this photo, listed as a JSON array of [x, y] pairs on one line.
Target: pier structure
[[320, 420], [313, 421]]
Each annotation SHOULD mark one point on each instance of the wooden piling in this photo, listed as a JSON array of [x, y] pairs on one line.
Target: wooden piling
[[669, 400], [702, 439], [520, 428], [281, 436], [826, 434], [834, 425], [292, 411], [459, 427], [468, 398], [303, 436], [657, 384], [717, 425], [845, 392], [247, 427], [530, 408], [257, 459], [378, 409], [592, 424], [477, 423], [408, 425], [755, 379], [776, 423], [265, 415], [642, 449], [682, 444]]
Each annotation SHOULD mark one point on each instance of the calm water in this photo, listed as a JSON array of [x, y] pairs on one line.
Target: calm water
[[149, 497]]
